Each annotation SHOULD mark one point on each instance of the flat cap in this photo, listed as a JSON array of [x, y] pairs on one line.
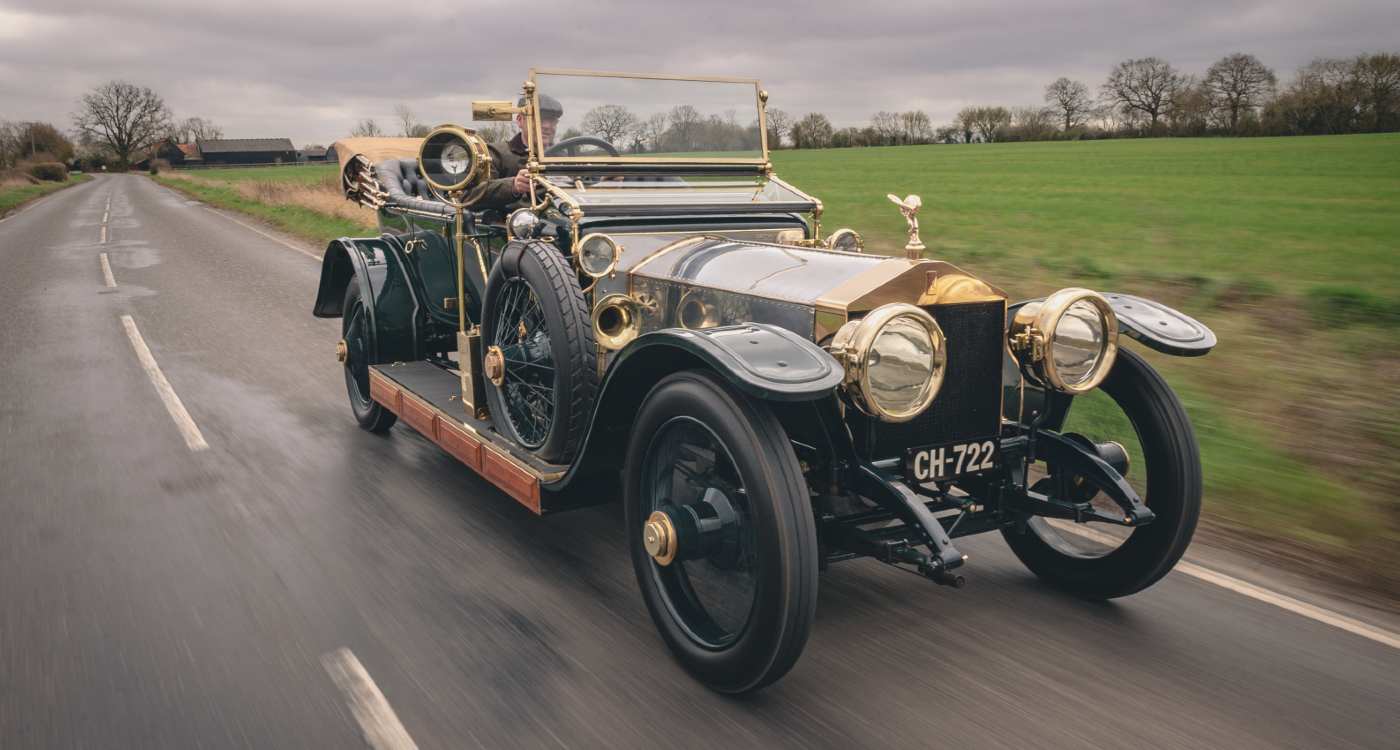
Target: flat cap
[[549, 106]]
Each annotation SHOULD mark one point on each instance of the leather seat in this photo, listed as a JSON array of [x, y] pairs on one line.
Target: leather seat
[[407, 188]]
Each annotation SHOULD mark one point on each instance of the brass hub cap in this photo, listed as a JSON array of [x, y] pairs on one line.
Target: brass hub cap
[[342, 351], [495, 365], [659, 538]]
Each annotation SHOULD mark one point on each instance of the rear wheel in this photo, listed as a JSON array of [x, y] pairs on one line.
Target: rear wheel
[[1154, 442], [355, 331], [723, 541]]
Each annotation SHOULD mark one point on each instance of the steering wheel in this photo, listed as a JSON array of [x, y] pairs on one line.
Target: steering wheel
[[570, 146]]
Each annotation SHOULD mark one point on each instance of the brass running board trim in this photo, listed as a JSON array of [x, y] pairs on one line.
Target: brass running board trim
[[460, 440]]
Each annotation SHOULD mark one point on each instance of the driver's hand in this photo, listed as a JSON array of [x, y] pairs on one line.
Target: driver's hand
[[522, 182]]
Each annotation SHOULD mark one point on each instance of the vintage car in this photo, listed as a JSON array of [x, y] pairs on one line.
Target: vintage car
[[663, 321]]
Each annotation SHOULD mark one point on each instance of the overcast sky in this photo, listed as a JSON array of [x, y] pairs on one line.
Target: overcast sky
[[309, 69]]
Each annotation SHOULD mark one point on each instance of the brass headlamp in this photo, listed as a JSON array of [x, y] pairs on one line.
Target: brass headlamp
[[894, 358], [1067, 341]]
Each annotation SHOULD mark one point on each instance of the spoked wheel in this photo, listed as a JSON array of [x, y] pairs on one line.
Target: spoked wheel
[[722, 536], [355, 334], [540, 359], [1137, 425]]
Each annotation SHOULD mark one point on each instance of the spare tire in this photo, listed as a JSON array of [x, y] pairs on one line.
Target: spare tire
[[541, 359]]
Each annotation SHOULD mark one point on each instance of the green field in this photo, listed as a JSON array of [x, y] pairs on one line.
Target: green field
[[12, 197], [1287, 247]]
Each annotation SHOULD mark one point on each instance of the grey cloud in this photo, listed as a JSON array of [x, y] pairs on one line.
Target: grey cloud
[[308, 70]]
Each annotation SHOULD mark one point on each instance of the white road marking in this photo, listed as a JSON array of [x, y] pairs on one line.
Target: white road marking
[[250, 227], [1258, 593], [188, 429], [104, 234], [107, 278], [378, 722]]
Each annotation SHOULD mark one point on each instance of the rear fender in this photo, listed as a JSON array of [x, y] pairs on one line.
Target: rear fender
[[377, 265], [764, 361]]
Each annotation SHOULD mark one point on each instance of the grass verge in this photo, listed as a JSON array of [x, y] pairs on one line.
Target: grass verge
[[327, 218], [12, 197]]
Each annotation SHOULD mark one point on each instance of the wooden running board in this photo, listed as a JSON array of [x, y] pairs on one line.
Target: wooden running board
[[512, 475]]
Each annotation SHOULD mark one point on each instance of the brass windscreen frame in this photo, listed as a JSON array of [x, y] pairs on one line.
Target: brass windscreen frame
[[536, 137]]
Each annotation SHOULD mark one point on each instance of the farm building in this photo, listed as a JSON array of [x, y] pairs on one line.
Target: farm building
[[312, 153], [247, 151]]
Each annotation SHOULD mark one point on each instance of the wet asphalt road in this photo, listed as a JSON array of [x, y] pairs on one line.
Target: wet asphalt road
[[153, 596]]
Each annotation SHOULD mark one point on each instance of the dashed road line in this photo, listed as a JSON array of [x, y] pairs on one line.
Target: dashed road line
[[377, 720], [188, 429], [108, 279], [252, 228], [1258, 593], [104, 234]]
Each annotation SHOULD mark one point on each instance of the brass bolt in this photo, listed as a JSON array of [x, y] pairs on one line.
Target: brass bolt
[[495, 365], [659, 538]]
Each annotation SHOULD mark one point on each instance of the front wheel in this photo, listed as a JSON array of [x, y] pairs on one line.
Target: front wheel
[[723, 541], [1137, 411]]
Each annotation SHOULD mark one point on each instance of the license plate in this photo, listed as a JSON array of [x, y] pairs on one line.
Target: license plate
[[935, 463]]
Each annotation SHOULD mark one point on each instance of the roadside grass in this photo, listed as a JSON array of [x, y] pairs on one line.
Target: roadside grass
[[1286, 247], [312, 210], [14, 195]]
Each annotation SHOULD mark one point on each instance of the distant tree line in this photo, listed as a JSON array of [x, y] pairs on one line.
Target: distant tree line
[[116, 123], [1238, 95]]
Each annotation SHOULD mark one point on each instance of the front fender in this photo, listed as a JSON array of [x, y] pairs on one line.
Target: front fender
[[764, 361], [1155, 325]]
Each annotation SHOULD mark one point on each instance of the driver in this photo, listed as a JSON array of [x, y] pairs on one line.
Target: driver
[[510, 180]]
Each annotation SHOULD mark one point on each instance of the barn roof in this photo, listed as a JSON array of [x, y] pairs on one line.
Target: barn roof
[[245, 145]]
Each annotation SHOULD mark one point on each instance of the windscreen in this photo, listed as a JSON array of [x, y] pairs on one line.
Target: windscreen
[[636, 118]]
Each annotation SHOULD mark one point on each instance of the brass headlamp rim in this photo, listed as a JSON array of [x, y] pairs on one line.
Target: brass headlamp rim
[[1033, 333], [830, 241], [476, 146], [852, 344], [612, 265]]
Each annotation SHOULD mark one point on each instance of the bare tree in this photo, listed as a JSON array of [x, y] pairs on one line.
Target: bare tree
[[366, 128], [1377, 82], [1191, 109], [779, 125], [1238, 85], [948, 134], [125, 117], [990, 122], [812, 131], [966, 121], [1143, 85], [1032, 123], [915, 127], [407, 122], [685, 125], [193, 129], [611, 122], [887, 127], [653, 130], [1070, 101]]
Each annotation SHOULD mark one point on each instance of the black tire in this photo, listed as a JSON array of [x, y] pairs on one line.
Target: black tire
[[551, 427], [1173, 493], [355, 330], [775, 547]]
